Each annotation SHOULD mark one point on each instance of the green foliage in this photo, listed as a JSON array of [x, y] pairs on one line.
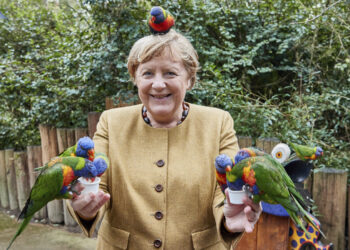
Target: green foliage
[[281, 68]]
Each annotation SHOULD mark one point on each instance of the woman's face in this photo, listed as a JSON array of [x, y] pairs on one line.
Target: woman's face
[[162, 83]]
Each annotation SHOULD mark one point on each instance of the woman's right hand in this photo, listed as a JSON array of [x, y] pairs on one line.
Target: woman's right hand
[[87, 205]]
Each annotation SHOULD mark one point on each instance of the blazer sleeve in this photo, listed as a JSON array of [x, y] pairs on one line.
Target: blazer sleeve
[[228, 146], [101, 145]]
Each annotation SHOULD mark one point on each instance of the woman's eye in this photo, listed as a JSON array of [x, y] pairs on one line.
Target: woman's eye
[[146, 73], [171, 73]]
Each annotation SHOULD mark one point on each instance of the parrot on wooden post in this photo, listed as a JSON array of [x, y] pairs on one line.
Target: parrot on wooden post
[[305, 152], [54, 182]]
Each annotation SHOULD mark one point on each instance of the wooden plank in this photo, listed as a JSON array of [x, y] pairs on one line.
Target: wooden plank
[[249, 240], [81, 132], [329, 192], [34, 160], [244, 141], [272, 232], [62, 145], [109, 103], [22, 178], [70, 137], [4, 196], [260, 143], [49, 148], [93, 118], [11, 179]]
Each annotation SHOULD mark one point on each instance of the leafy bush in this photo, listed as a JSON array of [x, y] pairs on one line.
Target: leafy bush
[[281, 68]]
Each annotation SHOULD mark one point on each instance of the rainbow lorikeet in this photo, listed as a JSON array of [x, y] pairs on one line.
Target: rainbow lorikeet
[[83, 148], [160, 21], [267, 181], [54, 182], [306, 152], [221, 162], [101, 163]]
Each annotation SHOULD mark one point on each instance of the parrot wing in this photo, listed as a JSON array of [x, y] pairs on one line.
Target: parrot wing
[[46, 188]]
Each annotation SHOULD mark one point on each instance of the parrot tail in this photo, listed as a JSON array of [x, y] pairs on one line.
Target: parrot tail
[[307, 217], [19, 231]]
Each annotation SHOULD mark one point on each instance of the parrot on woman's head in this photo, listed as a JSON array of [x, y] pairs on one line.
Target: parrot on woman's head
[[54, 182], [306, 152], [160, 21], [83, 148]]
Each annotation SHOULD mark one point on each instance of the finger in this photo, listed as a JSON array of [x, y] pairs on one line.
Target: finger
[[251, 215], [255, 206], [248, 227], [227, 196], [101, 199], [78, 187], [81, 201]]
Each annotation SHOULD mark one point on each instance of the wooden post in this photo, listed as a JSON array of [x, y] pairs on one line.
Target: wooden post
[[244, 141], [270, 232], [260, 143], [22, 177], [11, 179], [80, 132], [109, 103], [49, 148], [34, 160], [70, 137], [93, 118], [4, 197], [62, 145], [329, 193]]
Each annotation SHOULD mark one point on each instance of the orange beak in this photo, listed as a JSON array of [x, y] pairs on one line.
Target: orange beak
[[228, 168], [91, 154]]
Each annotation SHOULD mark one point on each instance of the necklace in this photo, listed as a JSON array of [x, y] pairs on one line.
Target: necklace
[[185, 108]]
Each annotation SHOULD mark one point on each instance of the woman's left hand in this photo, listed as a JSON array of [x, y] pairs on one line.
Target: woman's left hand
[[242, 217]]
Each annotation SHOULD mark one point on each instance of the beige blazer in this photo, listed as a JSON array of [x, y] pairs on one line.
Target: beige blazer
[[162, 181]]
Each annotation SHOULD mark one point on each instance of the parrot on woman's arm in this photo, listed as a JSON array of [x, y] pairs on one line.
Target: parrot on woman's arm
[[54, 182], [267, 181], [306, 152]]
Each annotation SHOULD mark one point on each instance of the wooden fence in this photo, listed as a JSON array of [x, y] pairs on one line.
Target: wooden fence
[[17, 176]]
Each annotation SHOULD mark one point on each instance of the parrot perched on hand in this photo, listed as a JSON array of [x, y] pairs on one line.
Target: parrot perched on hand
[[306, 152], [54, 182], [101, 163], [160, 21], [83, 148], [267, 181]]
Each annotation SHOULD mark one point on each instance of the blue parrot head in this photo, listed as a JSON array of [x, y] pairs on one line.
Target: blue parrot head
[[158, 15], [221, 162], [319, 152], [88, 171], [100, 165], [85, 148], [236, 185], [241, 155]]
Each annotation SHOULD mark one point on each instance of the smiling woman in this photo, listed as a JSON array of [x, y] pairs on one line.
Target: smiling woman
[[161, 180]]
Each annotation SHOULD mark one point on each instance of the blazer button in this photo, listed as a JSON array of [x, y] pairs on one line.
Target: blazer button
[[159, 188], [157, 243], [158, 215], [160, 163]]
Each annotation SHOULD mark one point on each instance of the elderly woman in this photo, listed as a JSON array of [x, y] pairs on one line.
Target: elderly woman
[[160, 190]]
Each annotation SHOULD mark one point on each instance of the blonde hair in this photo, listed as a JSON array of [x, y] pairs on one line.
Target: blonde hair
[[152, 46]]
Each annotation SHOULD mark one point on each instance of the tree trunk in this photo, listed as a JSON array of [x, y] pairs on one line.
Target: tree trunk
[[34, 160], [4, 196], [22, 178], [49, 147], [11, 179], [329, 193]]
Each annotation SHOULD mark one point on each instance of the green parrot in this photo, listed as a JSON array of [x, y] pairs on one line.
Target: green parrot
[[54, 182], [305, 152], [266, 180]]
